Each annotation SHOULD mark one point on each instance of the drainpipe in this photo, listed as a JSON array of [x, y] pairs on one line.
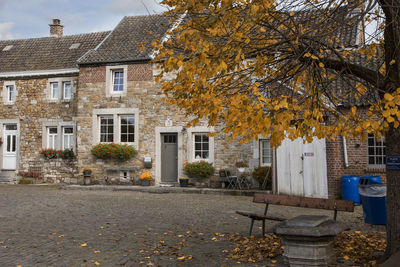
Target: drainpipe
[[346, 160]]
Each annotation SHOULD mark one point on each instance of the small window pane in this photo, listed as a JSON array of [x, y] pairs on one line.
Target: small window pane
[[14, 142], [54, 90], [67, 90], [8, 143], [11, 127]]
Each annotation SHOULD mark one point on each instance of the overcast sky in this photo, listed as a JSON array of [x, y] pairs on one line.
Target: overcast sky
[[20, 19]]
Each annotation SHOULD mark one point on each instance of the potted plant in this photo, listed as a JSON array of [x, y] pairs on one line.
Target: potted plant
[[145, 178], [241, 166], [184, 181], [87, 176]]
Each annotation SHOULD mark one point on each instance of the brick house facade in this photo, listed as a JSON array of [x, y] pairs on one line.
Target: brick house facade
[[89, 64]]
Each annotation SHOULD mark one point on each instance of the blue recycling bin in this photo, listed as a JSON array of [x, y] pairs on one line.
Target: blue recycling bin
[[373, 198], [350, 188], [370, 180]]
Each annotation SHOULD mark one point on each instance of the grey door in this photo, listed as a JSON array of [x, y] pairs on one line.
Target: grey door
[[169, 157]]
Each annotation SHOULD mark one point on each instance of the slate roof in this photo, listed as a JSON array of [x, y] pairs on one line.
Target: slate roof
[[48, 53], [123, 42]]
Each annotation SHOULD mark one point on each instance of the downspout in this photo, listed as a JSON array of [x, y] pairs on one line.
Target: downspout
[[346, 160]]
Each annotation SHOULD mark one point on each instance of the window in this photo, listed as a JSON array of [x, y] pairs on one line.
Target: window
[[54, 90], [376, 152], [265, 152], [52, 137], [68, 138], [119, 125], [10, 93], [201, 146], [106, 129], [118, 80], [67, 90], [127, 132]]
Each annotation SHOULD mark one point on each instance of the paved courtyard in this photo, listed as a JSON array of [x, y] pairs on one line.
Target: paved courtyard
[[46, 226]]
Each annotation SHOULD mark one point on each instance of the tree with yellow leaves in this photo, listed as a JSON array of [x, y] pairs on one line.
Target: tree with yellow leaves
[[288, 69]]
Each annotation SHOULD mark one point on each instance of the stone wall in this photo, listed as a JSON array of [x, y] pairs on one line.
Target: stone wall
[[143, 93], [31, 109]]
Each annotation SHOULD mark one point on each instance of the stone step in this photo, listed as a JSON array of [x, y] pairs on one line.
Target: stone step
[[7, 177]]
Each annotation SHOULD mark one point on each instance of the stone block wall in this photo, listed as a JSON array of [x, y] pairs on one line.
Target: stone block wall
[[144, 94], [31, 109]]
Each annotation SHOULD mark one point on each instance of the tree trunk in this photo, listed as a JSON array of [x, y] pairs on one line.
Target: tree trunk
[[393, 194]]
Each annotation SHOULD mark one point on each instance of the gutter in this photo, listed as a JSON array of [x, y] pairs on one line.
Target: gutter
[[346, 160], [38, 73]]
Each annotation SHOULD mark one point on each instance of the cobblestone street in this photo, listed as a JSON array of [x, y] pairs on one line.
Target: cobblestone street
[[45, 226]]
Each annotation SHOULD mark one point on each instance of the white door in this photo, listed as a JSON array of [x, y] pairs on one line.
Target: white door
[[301, 168], [10, 147]]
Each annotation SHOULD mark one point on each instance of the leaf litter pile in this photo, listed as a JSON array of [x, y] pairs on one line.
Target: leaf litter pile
[[363, 248], [356, 247]]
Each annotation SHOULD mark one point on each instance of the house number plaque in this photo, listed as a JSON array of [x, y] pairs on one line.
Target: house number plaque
[[393, 163]]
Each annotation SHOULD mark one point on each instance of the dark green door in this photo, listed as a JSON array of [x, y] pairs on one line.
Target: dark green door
[[169, 157]]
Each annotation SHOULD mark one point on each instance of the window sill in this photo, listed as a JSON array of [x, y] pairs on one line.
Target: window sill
[[9, 103], [375, 170]]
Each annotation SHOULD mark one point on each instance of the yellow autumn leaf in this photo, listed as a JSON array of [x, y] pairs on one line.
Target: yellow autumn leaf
[[97, 263], [97, 251], [181, 258], [392, 62], [83, 245]]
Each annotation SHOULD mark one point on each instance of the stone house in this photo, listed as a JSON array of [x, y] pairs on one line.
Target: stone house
[[77, 91]]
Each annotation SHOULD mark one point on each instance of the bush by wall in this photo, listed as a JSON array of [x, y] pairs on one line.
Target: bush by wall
[[200, 169], [260, 173], [114, 151]]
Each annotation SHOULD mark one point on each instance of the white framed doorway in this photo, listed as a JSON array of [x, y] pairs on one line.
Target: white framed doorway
[[10, 146]]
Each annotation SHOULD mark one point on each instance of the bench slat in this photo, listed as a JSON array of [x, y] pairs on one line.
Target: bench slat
[[305, 202], [257, 216]]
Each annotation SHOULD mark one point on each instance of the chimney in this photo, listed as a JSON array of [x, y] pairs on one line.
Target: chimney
[[56, 29]]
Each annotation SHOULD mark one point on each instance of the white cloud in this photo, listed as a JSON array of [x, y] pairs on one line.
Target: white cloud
[[5, 30], [135, 6]]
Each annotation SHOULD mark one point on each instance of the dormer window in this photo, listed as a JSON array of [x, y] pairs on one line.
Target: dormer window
[[116, 80]]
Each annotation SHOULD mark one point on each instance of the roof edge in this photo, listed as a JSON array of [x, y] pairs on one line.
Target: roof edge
[[38, 73]]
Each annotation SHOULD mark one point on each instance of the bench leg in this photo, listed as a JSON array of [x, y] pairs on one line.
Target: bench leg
[[263, 227], [251, 226]]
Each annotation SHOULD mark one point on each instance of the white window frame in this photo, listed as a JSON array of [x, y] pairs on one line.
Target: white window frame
[[113, 131], [60, 125], [261, 141], [70, 90], [61, 90], [375, 147], [192, 131], [52, 139], [69, 136], [201, 143], [110, 70], [6, 93], [54, 96], [128, 133], [116, 113]]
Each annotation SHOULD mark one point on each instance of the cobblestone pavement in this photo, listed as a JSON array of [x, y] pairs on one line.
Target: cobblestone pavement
[[45, 226]]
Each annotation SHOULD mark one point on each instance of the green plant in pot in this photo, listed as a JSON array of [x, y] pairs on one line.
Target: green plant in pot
[[184, 181], [199, 169], [241, 166]]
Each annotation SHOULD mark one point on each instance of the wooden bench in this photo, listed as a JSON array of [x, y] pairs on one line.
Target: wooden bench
[[294, 201]]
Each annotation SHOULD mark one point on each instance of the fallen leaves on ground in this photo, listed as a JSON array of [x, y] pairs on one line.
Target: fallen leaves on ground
[[360, 247], [255, 249]]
